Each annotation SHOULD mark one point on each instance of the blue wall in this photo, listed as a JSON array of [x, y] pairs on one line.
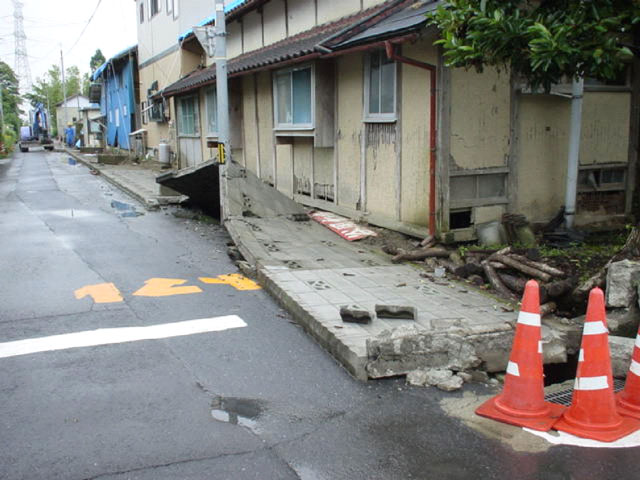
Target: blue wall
[[117, 103]]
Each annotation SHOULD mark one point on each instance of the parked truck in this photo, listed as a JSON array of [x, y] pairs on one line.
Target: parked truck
[[36, 135]]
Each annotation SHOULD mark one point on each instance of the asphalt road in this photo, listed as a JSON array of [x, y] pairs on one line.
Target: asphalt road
[[255, 399]]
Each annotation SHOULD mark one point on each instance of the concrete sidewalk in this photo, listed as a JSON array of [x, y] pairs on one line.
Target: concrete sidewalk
[[313, 272], [139, 180]]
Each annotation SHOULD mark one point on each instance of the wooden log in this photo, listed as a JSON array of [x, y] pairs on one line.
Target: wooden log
[[547, 308], [390, 249], [495, 281], [497, 265], [543, 267], [429, 241], [513, 283], [558, 288], [532, 272], [421, 254]]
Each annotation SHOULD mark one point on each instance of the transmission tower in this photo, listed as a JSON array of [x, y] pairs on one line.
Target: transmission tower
[[23, 71]]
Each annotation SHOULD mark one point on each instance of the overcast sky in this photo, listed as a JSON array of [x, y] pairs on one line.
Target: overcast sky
[[50, 24]]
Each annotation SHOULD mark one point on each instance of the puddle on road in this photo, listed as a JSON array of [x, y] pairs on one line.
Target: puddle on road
[[237, 411], [125, 209]]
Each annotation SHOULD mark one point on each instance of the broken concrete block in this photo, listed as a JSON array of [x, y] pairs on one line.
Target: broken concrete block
[[465, 376], [624, 322], [400, 312], [355, 314], [441, 378], [623, 278], [621, 350], [554, 345], [568, 328], [408, 348]]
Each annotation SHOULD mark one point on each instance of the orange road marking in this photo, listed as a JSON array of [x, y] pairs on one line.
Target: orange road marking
[[101, 293], [236, 280], [165, 287]]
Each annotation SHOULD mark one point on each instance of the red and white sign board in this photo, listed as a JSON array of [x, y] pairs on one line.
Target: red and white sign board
[[342, 226]]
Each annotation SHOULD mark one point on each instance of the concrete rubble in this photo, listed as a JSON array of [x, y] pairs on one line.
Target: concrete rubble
[[623, 278], [443, 379]]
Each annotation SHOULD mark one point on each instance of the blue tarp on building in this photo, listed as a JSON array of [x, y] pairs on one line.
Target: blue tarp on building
[[117, 102]]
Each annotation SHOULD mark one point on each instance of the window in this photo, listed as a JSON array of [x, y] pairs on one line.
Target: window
[[601, 188], [154, 7], [156, 110], [601, 179], [188, 124], [142, 12], [169, 7], [212, 111], [477, 189], [380, 88], [293, 90], [176, 8]]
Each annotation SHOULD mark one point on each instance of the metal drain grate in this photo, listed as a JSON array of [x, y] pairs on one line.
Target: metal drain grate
[[564, 397]]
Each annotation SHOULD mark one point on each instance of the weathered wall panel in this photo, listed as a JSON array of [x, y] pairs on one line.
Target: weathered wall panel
[[480, 113], [250, 126], [368, 3], [323, 172], [274, 22], [234, 41], [416, 88], [265, 125], [252, 29], [284, 166], [605, 127], [349, 124], [302, 165], [381, 158], [301, 15], [332, 10], [543, 142]]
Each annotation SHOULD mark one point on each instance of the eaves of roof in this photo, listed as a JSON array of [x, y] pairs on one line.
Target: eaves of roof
[[116, 57], [316, 42]]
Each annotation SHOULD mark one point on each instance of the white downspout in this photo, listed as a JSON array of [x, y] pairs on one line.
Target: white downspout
[[577, 92]]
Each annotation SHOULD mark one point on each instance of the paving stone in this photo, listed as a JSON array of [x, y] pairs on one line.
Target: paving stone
[[355, 314], [391, 311]]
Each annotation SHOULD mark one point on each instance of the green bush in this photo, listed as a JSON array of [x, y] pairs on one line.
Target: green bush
[[7, 142]]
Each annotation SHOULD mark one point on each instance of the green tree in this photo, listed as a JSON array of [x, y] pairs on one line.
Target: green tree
[[96, 61], [541, 41], [10, 99], [48, 90]]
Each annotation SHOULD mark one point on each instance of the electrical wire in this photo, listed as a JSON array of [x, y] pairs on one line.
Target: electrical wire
[[85, 27]]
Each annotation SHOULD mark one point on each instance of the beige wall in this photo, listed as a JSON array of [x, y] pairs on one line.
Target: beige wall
[[480, 118], [544, 140]]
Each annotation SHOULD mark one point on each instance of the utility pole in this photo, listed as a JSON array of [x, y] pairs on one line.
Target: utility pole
[[222, 93], [64, 94]]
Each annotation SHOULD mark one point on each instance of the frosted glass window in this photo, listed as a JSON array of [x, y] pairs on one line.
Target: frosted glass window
[[212, 111]]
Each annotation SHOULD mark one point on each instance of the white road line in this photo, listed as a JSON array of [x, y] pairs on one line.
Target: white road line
[[107, 336]]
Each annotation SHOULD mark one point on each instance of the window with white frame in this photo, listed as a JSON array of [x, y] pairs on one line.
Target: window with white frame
[[169, 7], [212, 111], [380, 87], [293, 90], [154, 7], [176, 8], [188, 123], [142, 12]]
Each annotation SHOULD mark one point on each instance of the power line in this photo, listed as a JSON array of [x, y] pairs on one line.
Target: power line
[[86, 26]]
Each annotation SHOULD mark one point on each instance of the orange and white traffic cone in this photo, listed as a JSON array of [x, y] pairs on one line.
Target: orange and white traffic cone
[[522, 402], [593, 413], [629, 398]]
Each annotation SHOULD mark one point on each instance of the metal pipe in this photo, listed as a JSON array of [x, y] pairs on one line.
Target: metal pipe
[[392, 55], [577, 92]]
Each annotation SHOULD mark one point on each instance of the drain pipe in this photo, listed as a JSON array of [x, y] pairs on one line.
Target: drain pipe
[[392, 55], [577, 92]]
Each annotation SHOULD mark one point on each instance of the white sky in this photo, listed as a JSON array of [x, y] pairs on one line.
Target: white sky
[[50, 24]]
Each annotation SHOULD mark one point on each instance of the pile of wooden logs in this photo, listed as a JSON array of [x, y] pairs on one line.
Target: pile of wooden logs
[[506, 271]]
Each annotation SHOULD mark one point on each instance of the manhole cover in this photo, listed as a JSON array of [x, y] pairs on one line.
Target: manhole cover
[[563, 397]]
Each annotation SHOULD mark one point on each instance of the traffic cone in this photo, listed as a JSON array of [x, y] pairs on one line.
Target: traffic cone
[[593, 413], [522, 402], [629, 399]]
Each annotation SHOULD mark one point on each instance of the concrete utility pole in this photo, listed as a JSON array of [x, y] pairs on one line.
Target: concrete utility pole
[[222, 100], [64, 94]]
